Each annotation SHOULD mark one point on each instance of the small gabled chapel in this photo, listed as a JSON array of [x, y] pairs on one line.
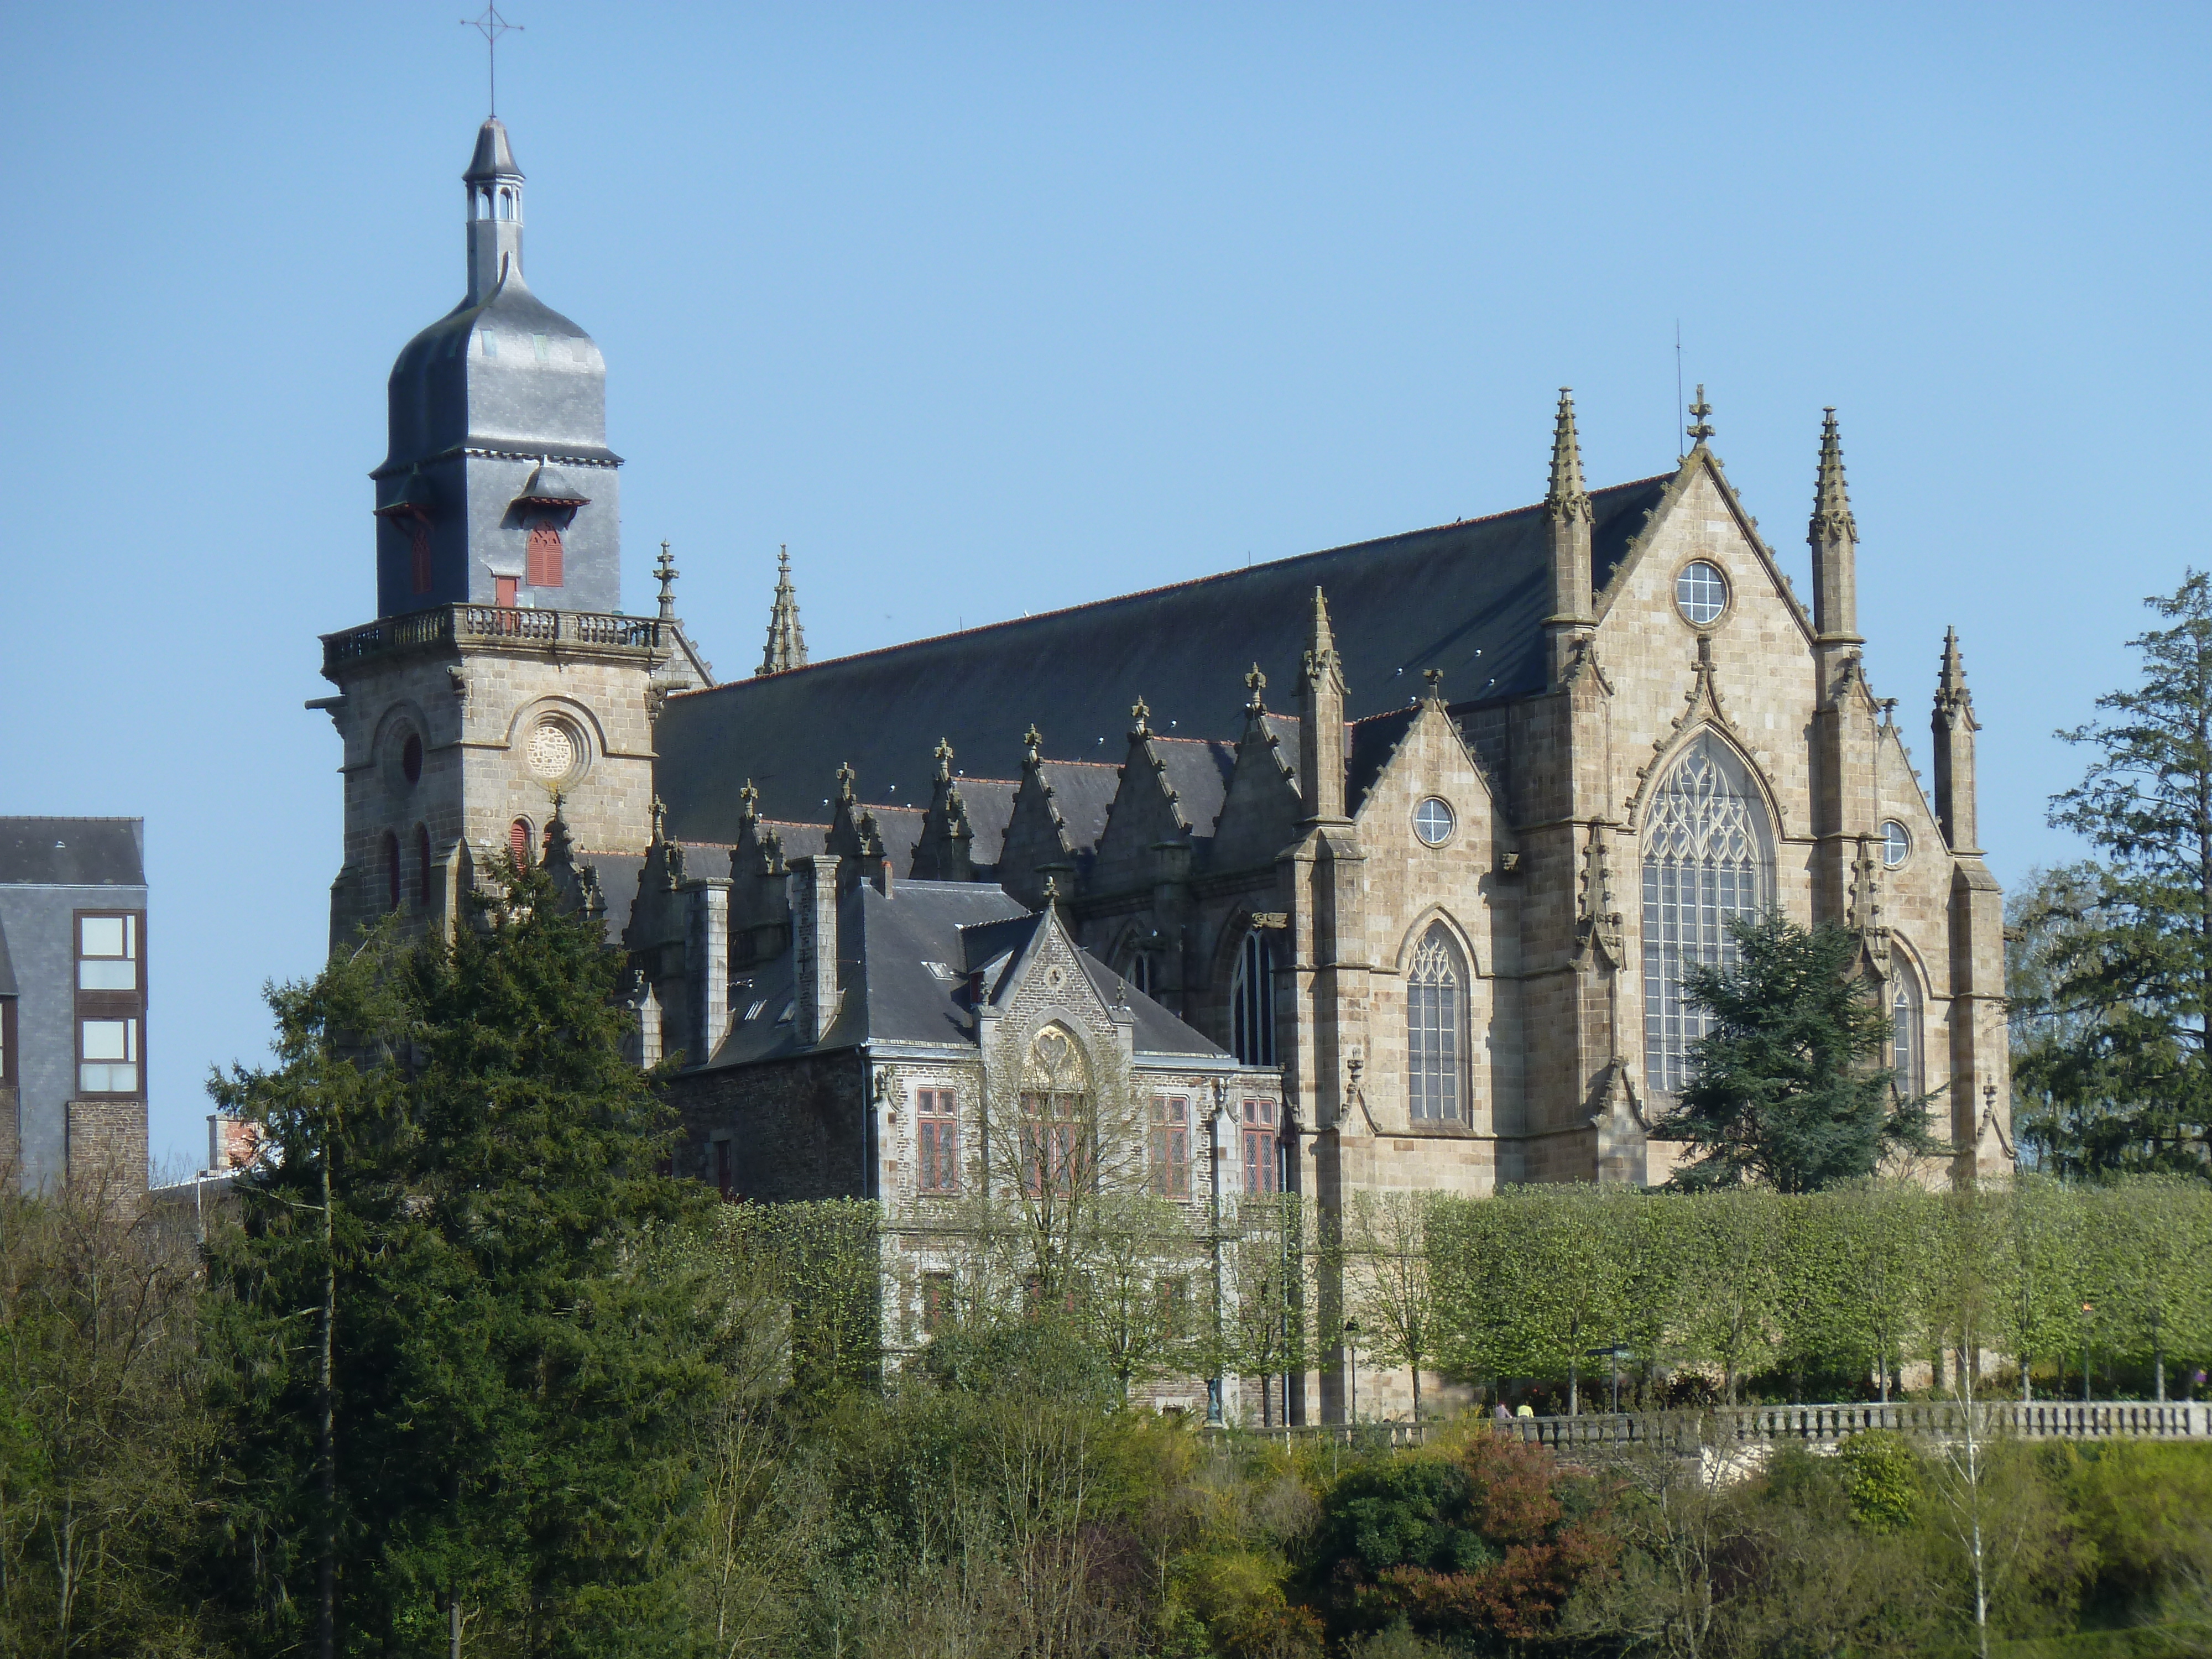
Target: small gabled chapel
[[1382, 866]]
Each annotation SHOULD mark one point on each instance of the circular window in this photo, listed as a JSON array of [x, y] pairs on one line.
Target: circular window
[[410, 758], [1701, 592], [1896, 844], [553, 749], [1433, 822]]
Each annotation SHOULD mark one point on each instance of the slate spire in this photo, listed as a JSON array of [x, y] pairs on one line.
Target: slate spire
[[1833, 537], [787, 640]]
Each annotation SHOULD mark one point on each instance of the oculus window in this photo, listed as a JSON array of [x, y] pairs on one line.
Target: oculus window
[[1433, 821], [1896, 844], [1436, 1029], [1707, 859], [1701, 592]]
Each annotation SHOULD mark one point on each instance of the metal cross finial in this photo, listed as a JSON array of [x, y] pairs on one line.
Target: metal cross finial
[[1700, 427], [491, 25]]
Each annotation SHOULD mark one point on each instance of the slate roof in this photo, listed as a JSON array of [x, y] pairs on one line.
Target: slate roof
[[892, 996], [1469, 599], [73, 852]]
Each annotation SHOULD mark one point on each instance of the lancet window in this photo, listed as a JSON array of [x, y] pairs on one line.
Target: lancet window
[[1436, 1029], [1905, 1041], [1252, 1001], [1707, 858]]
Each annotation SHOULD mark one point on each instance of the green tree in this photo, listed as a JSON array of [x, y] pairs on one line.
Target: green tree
[[1786, 1088], [2126, 1069], [469, 1328]]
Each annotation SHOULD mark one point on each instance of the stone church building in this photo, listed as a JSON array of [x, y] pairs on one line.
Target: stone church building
[[1380, 865]]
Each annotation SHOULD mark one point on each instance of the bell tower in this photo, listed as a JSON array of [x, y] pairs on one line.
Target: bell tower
[[500, 685]]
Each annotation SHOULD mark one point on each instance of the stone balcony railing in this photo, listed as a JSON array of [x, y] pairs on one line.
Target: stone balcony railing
[[1740, 1427], [454, 624]]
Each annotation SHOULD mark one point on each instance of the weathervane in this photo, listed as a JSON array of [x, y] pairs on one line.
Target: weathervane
[[491, 25]]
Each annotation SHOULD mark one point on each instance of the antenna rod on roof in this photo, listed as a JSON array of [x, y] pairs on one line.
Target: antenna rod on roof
[[1678, 390]]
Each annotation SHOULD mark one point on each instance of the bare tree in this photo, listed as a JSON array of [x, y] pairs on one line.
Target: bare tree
[[99, 1367], [1385, 1277]]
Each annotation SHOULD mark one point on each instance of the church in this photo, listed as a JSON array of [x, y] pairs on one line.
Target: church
[[1375, 869]]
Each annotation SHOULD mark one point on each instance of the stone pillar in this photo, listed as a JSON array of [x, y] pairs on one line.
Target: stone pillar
[[814, 943], [707, 965]]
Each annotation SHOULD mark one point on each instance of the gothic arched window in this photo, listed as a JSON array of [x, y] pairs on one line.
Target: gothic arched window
[[1436, 1029], [519, 840], [1252, 1001], [1905, 1041], [1706, 859]]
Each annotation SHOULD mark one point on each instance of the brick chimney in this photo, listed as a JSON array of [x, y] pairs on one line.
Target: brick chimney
[[814, 943]]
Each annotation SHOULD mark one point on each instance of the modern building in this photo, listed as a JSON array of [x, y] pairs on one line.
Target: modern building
[[1436, 904], [73, 1000]]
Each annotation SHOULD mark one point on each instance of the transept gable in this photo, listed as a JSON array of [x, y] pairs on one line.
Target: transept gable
[[1699, 482], [1380, 746]]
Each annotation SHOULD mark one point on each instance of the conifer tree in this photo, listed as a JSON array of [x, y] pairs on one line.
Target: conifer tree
[[2124, 1066], [467, 1338], [1786, 1088]]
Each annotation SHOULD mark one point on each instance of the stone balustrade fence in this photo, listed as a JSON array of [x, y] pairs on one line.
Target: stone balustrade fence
[[1825, 1425]]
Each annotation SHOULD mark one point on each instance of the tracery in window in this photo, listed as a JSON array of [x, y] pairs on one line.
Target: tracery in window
[[1252, 1001], [1059, 1132], [1436, 1029], [1707, 858], [1904, 1039]]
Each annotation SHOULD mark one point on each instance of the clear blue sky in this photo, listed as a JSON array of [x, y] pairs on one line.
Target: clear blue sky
[[988, 309]]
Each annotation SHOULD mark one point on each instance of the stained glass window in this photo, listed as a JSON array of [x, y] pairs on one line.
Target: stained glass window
[[1436, 1029], [1705, 860]]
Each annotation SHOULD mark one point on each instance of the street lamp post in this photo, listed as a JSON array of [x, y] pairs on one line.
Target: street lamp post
[[1352, 1347]]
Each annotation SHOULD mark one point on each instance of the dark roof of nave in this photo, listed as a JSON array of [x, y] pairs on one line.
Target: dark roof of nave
[[1469, 599]]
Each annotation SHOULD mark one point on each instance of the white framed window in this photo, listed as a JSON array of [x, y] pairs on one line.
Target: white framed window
[[1896, 844], [108, 953], [1433, 822], [1707, 858], [1701, 592], [1436, 1029], [107, 1056]]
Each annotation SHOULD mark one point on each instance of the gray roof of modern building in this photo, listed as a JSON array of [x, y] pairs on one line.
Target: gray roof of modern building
[[1469, 599], [893, 995], [73, 852]]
